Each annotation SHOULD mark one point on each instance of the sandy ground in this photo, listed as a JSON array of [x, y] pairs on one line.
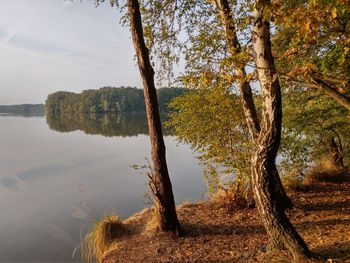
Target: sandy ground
[[214, 234]]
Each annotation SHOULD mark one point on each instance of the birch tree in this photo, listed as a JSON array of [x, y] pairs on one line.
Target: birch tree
[[280, 231]]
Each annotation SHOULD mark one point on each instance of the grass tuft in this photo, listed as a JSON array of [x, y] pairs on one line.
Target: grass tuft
[[152, 224], [97, 241]]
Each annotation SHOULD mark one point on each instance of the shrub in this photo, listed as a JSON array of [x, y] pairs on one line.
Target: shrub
[[294, 183], [234, 196], [324, 171]]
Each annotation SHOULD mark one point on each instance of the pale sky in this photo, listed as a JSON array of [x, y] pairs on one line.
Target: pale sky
[[51, 45]]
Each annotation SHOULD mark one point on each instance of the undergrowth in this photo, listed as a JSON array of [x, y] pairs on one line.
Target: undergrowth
[[234, 197], [325, 172], [322, 172], [101, 236]]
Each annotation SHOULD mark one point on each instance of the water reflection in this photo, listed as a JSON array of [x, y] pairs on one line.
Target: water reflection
[[10, 183], [23, 115], [109, 125], [54, 184]]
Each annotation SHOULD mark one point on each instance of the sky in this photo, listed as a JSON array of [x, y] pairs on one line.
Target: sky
[[51, 45]]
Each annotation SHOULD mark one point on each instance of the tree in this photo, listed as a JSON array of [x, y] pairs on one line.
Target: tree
[[161, 185], [235, 48], [264, 172], [313, 46], [315, 128], [159, 179], [210, 120], [204, 50], [280, 231], [245, 89]]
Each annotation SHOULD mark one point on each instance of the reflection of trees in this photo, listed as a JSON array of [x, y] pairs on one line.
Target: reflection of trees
[[23, 109], [24, 115], [108, 125]]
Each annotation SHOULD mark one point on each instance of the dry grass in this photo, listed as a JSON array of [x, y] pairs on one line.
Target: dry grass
[[152, 224], [230, 200], [101, 236], [294, 183], [234, 197], [324, 171], [213, 234]]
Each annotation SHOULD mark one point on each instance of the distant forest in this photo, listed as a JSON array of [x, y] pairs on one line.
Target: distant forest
[[108, 100], [23, 109]]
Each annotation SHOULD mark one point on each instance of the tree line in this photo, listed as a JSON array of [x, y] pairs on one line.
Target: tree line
[[107, 100]]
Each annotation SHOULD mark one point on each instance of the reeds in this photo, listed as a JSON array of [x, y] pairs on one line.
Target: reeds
[[99, 239]]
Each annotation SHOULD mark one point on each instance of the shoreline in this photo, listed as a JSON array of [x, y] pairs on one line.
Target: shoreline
[[214, 234]]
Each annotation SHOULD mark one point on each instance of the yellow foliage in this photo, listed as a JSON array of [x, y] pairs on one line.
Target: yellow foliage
[[334, 13]]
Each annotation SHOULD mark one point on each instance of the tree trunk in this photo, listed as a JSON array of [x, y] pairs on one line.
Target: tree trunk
[[331, 92], [280, 231], [234, 46], [162, 189], [336, 154], [324, 87], [249, 109]]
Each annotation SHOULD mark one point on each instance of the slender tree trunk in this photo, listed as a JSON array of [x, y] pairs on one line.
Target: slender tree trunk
[[234, 46], [324, 87], [336, 154], [249, 109], [280, 231], [162, 189], [331, 92]]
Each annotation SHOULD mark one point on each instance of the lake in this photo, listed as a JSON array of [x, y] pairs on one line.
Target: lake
[[58, 176]]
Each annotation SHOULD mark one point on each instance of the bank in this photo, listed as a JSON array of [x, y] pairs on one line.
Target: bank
[[215, 233]]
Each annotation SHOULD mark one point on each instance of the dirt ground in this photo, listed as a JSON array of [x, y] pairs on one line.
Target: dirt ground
[[214, 234]]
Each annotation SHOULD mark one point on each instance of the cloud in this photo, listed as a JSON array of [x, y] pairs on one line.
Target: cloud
[[7, 35], [37, 173], [61, 45], [65, 34], [10, 183]]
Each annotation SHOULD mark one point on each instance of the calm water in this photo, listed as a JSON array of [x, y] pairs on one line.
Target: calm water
[[55, 182]]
